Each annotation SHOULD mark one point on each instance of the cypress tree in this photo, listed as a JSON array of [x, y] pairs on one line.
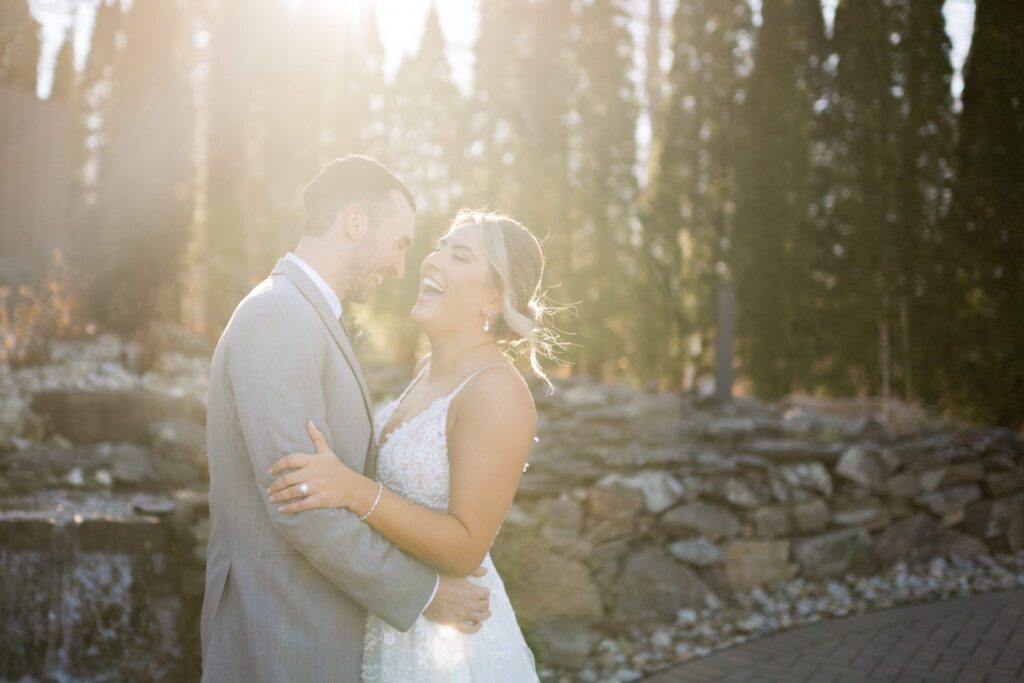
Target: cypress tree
[[146, 171], [863, 264], [19, 46], [776, 228], [607, 112], [983, 368], [687, 213]]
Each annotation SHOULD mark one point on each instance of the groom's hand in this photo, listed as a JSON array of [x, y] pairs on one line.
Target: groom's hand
[[460, 603]]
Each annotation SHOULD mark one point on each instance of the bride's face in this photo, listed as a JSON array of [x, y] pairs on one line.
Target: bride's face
[[455, 284]]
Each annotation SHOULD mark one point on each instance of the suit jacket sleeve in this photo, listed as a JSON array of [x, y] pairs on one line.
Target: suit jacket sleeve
[[275, 362]]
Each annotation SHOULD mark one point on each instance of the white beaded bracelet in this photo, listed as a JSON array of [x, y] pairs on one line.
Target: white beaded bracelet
[[380, 492]]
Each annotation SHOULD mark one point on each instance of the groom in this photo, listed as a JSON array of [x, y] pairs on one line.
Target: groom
[[286, 595]]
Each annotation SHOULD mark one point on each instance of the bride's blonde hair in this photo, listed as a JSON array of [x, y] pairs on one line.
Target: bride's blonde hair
[[517, 268]]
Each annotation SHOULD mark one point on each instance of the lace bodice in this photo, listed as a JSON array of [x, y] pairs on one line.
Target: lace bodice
[[413, 462]]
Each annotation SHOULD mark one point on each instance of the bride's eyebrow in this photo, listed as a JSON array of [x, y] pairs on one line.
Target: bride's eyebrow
[[444, 241]]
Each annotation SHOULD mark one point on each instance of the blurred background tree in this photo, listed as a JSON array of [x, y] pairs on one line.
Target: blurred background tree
[[868, 217]]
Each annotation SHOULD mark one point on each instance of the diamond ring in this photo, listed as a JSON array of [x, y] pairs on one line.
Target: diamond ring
[[304, 489]]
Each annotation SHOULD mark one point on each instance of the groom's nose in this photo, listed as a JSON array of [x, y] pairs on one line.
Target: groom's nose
[[399, 267]]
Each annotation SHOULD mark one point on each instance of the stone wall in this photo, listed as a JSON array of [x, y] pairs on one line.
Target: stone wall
[[635, 507]]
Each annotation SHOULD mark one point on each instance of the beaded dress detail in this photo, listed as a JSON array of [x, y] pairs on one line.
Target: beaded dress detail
[[413, 462]]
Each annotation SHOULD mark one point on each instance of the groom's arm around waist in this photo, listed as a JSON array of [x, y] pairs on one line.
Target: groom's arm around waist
[[274, 362]]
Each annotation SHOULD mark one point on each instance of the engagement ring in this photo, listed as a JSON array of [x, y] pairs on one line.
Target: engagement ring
[[304, 489]]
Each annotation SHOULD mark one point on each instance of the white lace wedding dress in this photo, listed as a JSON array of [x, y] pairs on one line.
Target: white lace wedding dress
[[413, 462]]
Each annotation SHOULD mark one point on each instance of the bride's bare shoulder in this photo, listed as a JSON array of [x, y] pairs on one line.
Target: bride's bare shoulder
[[499, 389]]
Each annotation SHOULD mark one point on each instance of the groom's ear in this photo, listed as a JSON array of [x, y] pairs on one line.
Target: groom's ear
[[356, 224]]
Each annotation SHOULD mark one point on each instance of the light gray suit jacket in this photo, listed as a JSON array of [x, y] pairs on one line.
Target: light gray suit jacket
[[285, 595]]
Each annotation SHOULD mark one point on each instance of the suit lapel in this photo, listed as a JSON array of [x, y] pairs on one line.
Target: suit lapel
[[308, 290]]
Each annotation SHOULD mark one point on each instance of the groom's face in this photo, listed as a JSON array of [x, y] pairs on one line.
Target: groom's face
[[382, 251]]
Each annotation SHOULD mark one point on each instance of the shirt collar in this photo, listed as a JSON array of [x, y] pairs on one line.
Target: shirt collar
[[329, 294]]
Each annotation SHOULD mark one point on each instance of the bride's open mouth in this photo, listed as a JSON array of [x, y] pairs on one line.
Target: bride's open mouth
[[430, 289]]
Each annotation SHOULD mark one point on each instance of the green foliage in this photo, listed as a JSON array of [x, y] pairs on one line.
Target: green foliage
[[983, 371]]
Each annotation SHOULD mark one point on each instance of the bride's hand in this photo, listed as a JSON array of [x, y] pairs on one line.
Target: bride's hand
[[330, 484]]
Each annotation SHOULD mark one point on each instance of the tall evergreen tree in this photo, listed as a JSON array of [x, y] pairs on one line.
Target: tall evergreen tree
[[983, 367], [63, 89], [688, 210], [927, 138], [422, 141], [19, 46], [146, 171], [606, 112], [776, 228], [864, 224]]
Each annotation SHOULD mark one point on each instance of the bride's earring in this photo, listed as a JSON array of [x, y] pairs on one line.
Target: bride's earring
[[487, 324]]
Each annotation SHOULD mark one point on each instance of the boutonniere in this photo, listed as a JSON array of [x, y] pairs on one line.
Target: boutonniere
[[357, 336]]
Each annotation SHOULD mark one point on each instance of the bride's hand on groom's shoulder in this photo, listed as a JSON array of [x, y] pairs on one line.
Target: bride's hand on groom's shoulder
[[313, 480]]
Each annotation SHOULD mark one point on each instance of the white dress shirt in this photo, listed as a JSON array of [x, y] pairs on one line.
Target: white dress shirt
[[334, 302]]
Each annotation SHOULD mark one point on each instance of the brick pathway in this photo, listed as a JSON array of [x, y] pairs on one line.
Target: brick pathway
[[977, 639]]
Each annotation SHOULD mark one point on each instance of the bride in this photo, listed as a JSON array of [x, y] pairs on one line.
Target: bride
[[452, 448]]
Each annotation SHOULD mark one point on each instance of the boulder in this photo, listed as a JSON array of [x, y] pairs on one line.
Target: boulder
[[544, 584], [871, 516], [564, 643], [700, 519], [811, 516], [698, 551], [835, 554], [772, 521], [920, 538], [660, 489], [903, 485], [1000, 484], [863, 468], [949, 501], [740, 492], [810, 476], [179, 450], [989, 519], [653, 585], [613, 502], [754, 563]]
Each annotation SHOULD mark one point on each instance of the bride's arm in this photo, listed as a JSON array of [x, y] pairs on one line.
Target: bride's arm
[[494, 424]]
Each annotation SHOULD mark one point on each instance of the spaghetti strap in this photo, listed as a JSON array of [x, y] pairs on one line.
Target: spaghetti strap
[[472, 375], [414, 382]]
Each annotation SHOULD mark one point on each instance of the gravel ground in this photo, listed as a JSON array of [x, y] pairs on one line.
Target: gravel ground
[[640, 649]]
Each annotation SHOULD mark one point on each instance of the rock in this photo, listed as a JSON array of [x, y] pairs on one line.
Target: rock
[[14, 411], [700, 552], [1015, 533], [999, 484], [613, 502], [75, 477], [949, 501], [811, 476], [870, 517], [564, 642], [131, 465], [772, 521], [740, 492], [754, 563], [790, 450], [811, 516], [542, 583], [903, 486], [988, 519], [562, 521], [863, 468], [660, 489], [121, 415], [179, 448], [700, 519], [835, 553], [655, 586], [158, 506], [920, 538]]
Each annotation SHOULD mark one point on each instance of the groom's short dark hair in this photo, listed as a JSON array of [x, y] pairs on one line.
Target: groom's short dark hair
[[352, 179]]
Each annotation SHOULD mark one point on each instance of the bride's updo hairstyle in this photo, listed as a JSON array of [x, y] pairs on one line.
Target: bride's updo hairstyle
[[517, 267]]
